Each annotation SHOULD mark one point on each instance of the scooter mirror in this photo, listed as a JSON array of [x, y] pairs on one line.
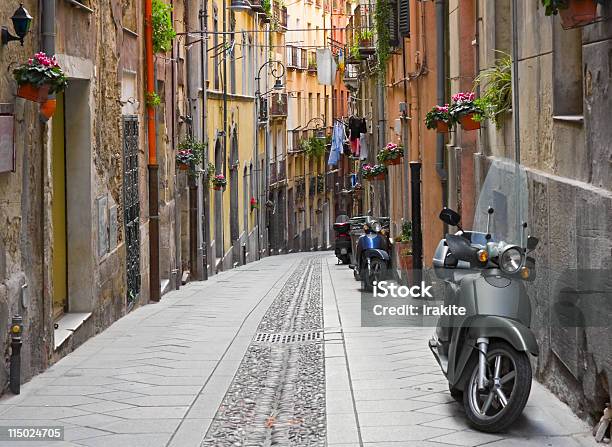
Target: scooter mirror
[[532, 242], [450, 217]]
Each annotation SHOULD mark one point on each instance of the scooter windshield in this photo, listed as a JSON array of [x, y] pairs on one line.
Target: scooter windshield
[[505, 190]]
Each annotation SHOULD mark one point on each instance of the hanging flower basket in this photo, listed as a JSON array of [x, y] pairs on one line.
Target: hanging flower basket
[[391, 154], [47, 108], [468, 122], [374, 172], [33, 93], [578, 13], [438, 118], [442, 127], [218, 182], [40, 77], [183, 166]]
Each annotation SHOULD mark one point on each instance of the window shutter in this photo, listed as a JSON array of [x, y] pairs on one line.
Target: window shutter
[[394, 40], [404, 18]]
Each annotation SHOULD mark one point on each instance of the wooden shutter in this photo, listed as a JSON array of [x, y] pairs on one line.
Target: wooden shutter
[[394, 40], [404, 17]]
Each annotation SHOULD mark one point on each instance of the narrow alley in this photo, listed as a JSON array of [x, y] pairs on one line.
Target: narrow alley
[[271, 353]]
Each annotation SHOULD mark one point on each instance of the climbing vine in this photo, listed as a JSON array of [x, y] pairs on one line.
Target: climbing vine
[[163, 32], [382, 18]]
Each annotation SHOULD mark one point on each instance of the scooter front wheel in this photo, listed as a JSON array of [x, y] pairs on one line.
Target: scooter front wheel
[[505, 395]]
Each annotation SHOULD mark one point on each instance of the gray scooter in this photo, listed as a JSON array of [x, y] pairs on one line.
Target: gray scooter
[[484, 353]]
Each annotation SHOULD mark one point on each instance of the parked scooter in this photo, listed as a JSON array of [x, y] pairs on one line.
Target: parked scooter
[[342, 243], [484, 353], [372, 261]]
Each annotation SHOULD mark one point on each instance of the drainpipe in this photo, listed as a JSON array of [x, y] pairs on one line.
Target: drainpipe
[[204, 215], [154, 282], [515, 84], [48, 26], [441, 92]]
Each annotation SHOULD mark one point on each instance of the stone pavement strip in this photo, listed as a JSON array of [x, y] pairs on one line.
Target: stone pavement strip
[[239, 361]]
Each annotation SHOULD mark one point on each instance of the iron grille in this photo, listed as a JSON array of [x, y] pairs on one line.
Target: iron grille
[[131, 203]]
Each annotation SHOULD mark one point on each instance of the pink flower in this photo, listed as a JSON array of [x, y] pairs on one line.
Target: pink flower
[[463, 97]]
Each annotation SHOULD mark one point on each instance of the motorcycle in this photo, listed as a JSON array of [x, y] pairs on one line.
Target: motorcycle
[[342, 243], [372, 260], [484, 353]]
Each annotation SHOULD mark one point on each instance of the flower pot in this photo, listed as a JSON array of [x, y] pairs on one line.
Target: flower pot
[[578, 13], [468, 122], [217, 187], [33, 93], [442, 127], [393, 161], [380, 176], [183, 166], [47, 108]]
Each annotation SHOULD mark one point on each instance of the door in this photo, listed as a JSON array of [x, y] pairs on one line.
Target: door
[[59, 265], [131, 200]]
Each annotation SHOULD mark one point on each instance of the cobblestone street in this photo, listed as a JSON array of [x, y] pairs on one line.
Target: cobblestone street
[[272, 353]]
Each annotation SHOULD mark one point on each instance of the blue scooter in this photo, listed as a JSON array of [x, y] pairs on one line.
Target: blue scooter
[[372, 261]]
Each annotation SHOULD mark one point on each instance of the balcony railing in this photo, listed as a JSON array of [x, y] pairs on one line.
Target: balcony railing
[[282, 170], [263, 109], [280, 16], [273, 174], [278, 105], [256, 5], [360, 36]]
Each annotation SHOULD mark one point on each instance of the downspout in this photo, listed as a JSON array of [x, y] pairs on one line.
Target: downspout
[[441, 93], [405, 136], [48, 26], [515, 85], [154, 282], [204, 214]]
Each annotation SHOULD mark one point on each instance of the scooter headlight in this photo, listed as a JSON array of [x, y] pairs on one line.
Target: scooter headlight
[[376, 227], [511, 260]]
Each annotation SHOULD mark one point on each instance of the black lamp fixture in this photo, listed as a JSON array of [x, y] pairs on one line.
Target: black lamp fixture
[[22, 20], [240, 5], [278, 84]]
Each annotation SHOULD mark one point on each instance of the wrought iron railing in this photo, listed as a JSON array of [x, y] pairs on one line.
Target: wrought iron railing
[[278, 105]]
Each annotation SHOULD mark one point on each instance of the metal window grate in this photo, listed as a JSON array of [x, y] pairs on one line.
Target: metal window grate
[[305, 337]]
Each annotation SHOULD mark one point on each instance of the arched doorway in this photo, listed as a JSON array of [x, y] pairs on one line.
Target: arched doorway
[[234, 223], [218, 201]]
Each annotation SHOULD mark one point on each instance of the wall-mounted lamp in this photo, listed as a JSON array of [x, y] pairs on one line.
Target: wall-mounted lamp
[[22, 20]]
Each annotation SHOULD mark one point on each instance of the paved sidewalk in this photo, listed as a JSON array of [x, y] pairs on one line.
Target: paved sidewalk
[[160, 375], [157, 376], [385, 389]]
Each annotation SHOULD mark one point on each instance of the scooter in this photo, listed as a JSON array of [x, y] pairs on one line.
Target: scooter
[[342, 243], [484, 353], [372, 261]]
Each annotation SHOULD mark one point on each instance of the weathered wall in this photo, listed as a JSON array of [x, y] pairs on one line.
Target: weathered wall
[[565, 100], [21, 248]]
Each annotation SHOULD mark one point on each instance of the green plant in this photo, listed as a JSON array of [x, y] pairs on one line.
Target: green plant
[[41, 70], [390, 152], [406, 233], [437, 114], [267, 6], [210, 171], [313, 147], [163, 32], [219, 181], [497, 93], [382, 19], [365, 35], [552, 7], [153, 99], [354, 51]]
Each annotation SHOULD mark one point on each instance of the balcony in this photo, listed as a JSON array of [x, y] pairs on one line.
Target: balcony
[[278, 105], [360, 36], [280, 16], [263, 110], [273, 173], [256, 5]]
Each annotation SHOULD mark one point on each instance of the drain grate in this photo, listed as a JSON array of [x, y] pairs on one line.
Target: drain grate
[[304, 337]]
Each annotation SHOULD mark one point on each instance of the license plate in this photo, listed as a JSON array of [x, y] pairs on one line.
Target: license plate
[[343, 251]]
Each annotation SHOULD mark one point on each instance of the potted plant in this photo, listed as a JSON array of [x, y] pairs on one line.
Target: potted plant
[[219, 182], [254, 204], [189, 153], [403, 244], [391, 154], [439, 119], [373, 172], [365, 38], [466, 110], [573, 13], [40, 77], [496, 96]]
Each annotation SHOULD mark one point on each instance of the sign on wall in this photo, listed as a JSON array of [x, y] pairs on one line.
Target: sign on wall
[[7, 138]]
